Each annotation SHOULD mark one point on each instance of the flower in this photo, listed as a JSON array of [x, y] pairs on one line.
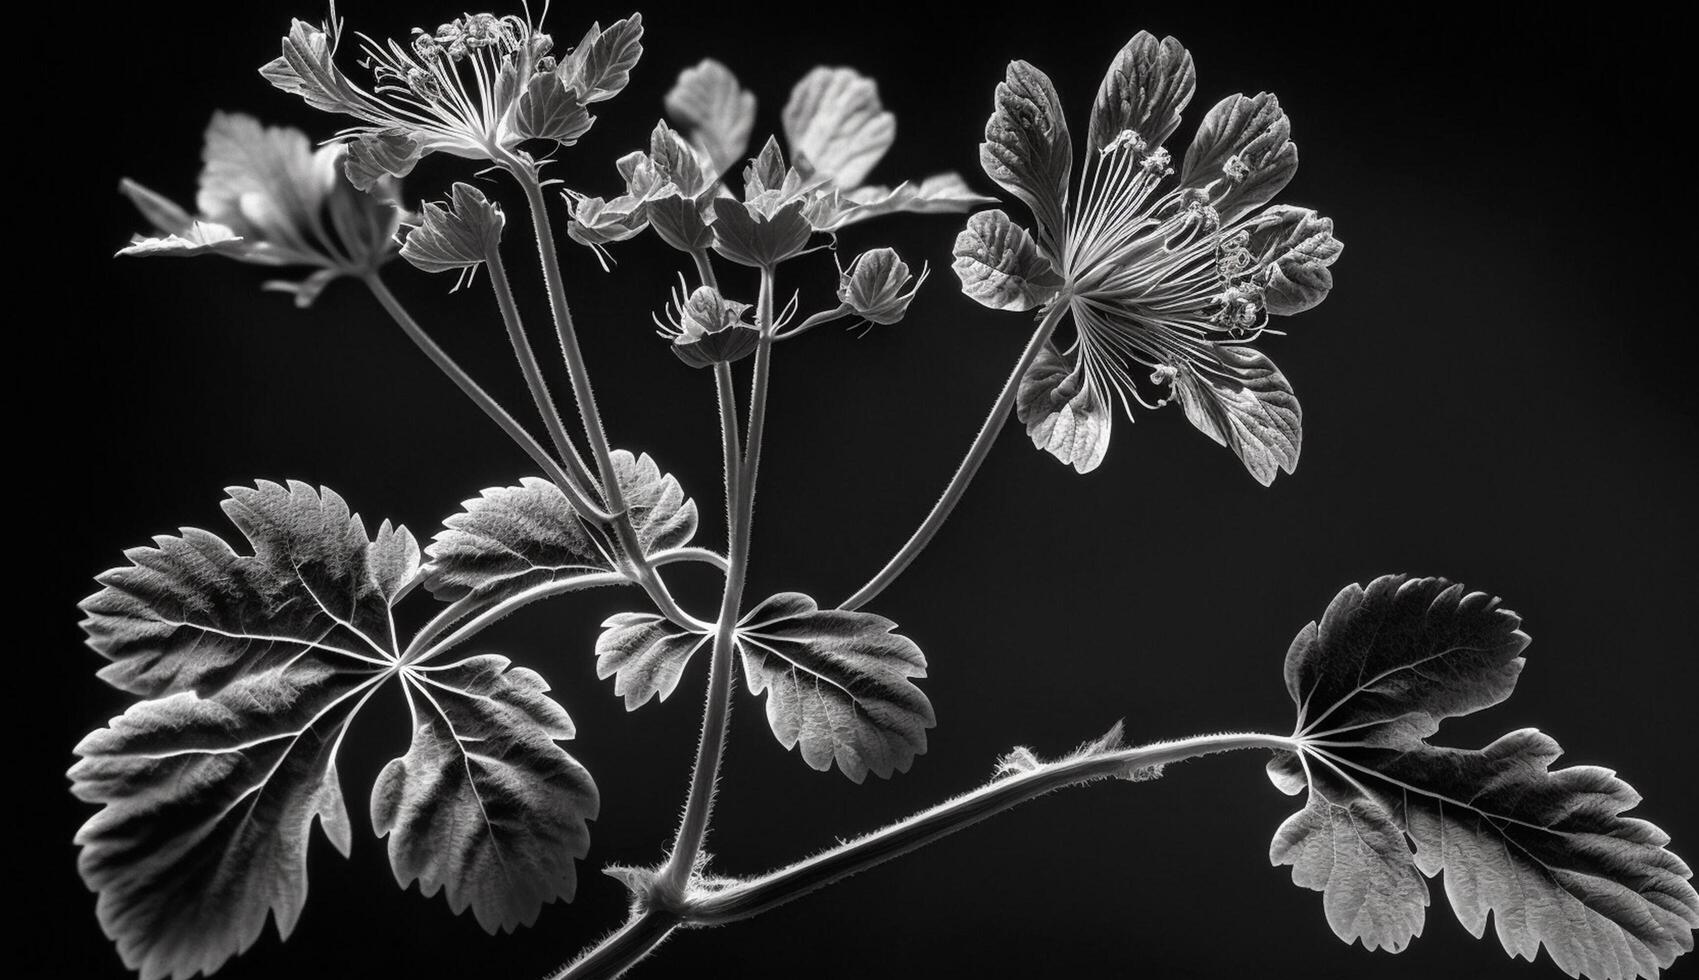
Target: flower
[[706, 328], [873, 286], [1178, 275], [837, 131], [476, 87], [268, 198]]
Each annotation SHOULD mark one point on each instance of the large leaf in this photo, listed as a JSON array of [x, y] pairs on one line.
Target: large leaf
[[835, 123], [837, 685], [1026, 148], [1242, 401], [715, 110], [484, 805], [1548, 853], [1063, 411], [250, 668], [1147, 85], [510, 539], [1000, 266]]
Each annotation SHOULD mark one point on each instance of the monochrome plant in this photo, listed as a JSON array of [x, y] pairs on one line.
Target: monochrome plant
[[250, 658]]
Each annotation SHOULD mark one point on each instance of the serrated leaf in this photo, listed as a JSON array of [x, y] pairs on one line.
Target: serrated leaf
[[1063, 412], [1027, 149], [510, 539], [1000, 266], [1145, 89], [250, 667], [645, 655], [835, 122], [1549, 854], [1254, 131], [837, 685], [600, 66], [485, 806], [1243, 402], [550, 109], [307, 68], [715, 110]]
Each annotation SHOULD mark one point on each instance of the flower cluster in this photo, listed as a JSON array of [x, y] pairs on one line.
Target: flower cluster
[[1177, 273], [476, 87], [267, 197]]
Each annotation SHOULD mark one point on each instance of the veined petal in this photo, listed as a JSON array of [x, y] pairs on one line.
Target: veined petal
[[1293, 248], [719, 115], [1000, 266], [1244, 149], [1063, 413], [1027, 149], [1148, 83], [1243, 402], [835, 121]]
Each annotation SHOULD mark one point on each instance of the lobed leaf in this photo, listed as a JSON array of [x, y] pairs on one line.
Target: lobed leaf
[[835, 123], [837, 685], [645, 655], [715, 110], [1549, 854]]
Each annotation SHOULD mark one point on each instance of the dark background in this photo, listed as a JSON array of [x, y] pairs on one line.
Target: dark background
[[1494, 392]]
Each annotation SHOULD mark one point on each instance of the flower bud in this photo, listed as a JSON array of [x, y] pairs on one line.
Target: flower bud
[[457, 237], [873, 286], [706, 328]]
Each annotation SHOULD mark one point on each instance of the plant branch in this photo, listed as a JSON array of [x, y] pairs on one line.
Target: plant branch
[[464, 381], [970, 464], [744, 899], [622, 950]]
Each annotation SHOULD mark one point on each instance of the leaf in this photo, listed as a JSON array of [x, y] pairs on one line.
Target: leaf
[[307, 68], [251, 668], [748, 235], [1253, 131], [836, 123], [837, 685], [1000, 266], [199, 238], [645, 655], [373, 158], [1146, 87], [1026, 148], [1293, 248], [455, 237], [1243, 402], [1548, 853], [510, 539], [485, 807], [945, 193], [708, 101], [1063, 412], [251, 664], [600, 66]]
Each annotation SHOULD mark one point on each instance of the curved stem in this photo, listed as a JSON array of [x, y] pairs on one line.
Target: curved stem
[[965, 472], [464, 381], [621, 951], [674, 877], [564, 447], [757, 895]]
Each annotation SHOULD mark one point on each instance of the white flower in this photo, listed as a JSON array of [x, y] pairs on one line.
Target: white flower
[[269, 198]]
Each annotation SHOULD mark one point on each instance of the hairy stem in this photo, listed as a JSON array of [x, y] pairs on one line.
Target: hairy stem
[[757, 895], [528, 366], [965, 472], [464, 382], [674, 877], [622, 950]]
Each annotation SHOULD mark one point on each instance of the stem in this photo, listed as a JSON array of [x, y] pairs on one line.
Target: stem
[[540, 388], [757, 895], [464, 381], [674, 878], [965, 472], [624, 949]]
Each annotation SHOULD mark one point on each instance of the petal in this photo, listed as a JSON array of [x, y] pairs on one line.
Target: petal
[[1027, 150], [1256, 131], [1000, 266], [1148, 83], [835, 121], [708, 101], [1293, 249], [1062, 411], [1243, 402]]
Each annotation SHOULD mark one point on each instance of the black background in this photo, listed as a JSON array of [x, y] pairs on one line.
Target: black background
[[1494, 392]]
